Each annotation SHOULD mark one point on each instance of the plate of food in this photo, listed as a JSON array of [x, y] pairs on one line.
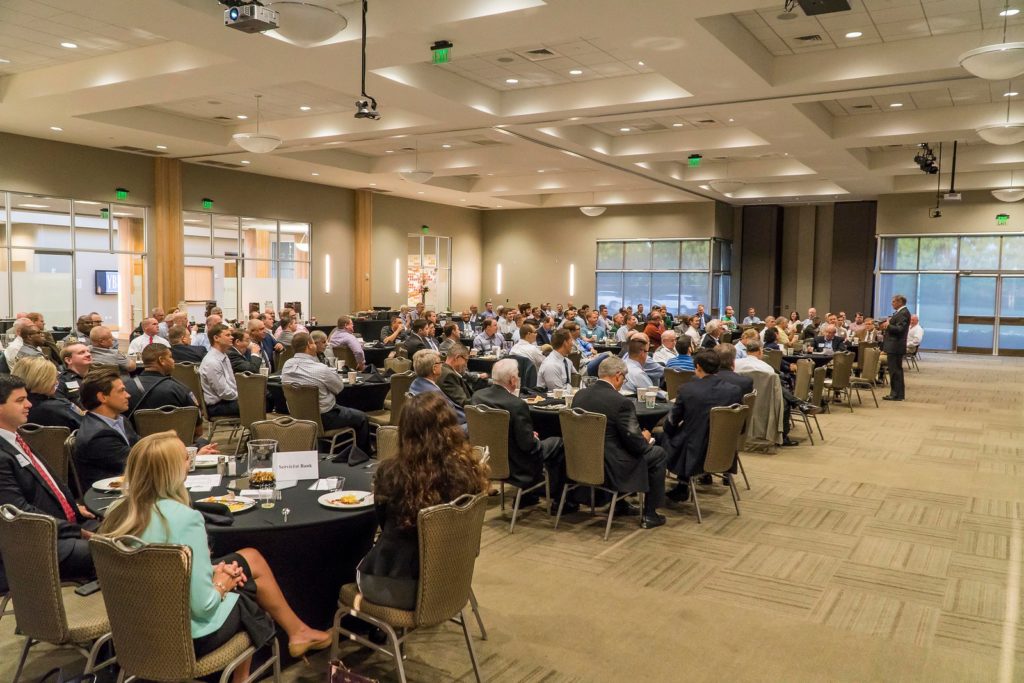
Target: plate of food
[[534, 400], [110, 484], [206, 460], [346, 500], [234, 503]]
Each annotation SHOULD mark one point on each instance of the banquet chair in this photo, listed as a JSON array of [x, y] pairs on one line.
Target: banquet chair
[[289, 433], [583, 437], [181, 420], [45, 610], [575, 358], [804, 371], [48, 444], [74, 483], [726, 426], [449, 542], [400, 384], [750, 401], [344, 353], [911, 358], [156, 643], [842, 371], [304, 404], [281, 359], [675, 379], [773, 357], [399, 365], [252, 403], [488, 427], [818, 388], [188, 374], [869, 371], [387, 442]]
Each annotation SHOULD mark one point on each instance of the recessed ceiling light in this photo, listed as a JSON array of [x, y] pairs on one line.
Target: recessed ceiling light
[[896, 105], [1012, 93], [373, 184], [56, 129], [732, 120], [640, 64], [4, 61], [499, 206], [389, 151], [512, 81], [161, 146], [243, 117], [677, 125], [1009, 12], [462, 200], [305, 108], [624, 130], [446, 146], [540, 170], [420, 192], [69, 45], [854, 34], [315, 174], [576, 72], [246, 162]]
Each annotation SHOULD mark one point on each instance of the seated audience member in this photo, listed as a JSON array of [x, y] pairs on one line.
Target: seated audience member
[[916, 333], [268, 345], [462, 323], [752, 318], [729, 320], [227, 595], [630, 324], [771, 339], [667, 350], [203, 340], [49, 347], [344, 335], [556, 371], [748, 334], [857, 324], [77, 360], [182, 349], [11, 351], [592, 330], [83, 325], [833, 320], [793, 322], [584, 347], [289, 328], [105, 437], [727, 369], [682, 360], [435, 464], [428, 368], [150, 335], [507, 323], [527, 453], [712, 334], [545, 330], [417, 312], [155, 388], [702, 319], [489, 341], [688, 425], [422, 337], [454, 381], [828, 342], [640, 316], [632, 463], [304, 369], [688, 326], [869, 332], [769, 323], [104, 350], [48, 409], [812, 318], [636, 359], [654, 329], [320, 340], [395, 334], [451, 336], [162, 328], [754, 363], [27, 484], [220, 391], [244, 354], [33, 340], [527, 345]]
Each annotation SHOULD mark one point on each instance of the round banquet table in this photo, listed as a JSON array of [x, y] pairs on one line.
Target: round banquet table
[[363, 395], [312, 554], [607, 348], [546, 422], [818, 358], [482, 363], [376, 355]]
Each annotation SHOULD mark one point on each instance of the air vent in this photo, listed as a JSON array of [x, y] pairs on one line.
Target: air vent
[[538, 54], [219, 164], [706, 121], [221, 118], [811, 38], [140, 150], [863, 106], [484, 142], [649, 126], [406, 149]]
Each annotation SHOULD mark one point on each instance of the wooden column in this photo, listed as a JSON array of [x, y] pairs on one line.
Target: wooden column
[[167, 253], [361, 258]]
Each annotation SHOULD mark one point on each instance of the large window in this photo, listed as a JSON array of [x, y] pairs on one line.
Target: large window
[[244, 263], [677, 274], [64, 258]]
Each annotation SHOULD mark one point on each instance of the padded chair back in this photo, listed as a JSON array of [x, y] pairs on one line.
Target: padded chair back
[[304, 403], [181, 419], [726, 428], [861, 348], [252, 397], [449, 541], [869, 366], [344, 353], [675, 379], [773, 357], [281, 359], [69, 453], [155, 642], [575, 358], [289, 433], [188, 374], [47, 443], [529, 377], [399, 365], [583, 437], [28, 546], [749, 400], [726, 338], [819, 385], [387, 442], [524, 364], [489, 427], [400, 384], [842, 369], [804, 370]]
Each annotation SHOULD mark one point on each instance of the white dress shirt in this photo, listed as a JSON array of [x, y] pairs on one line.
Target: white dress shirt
[[915, 336], [636, 378], [528, 350], [664, 355], [217, 378], [488, 345], [306, 370], [144, 340], [555, 372], [694, 335], [11, 352]]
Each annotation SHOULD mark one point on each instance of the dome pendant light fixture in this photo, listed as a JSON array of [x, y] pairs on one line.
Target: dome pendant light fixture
[[1009, 133], [996, 62], [592, 210], [1009, 194], [417, 175], [257, 143]]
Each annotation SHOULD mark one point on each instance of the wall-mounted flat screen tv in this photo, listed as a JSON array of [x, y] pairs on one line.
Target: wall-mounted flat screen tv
[[106, 281]]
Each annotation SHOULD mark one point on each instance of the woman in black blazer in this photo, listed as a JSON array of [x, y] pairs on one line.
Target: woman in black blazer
[[48, 409]]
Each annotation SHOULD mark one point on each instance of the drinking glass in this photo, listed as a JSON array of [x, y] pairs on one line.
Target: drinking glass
[[267, 498], [192, 452], [651, 398], [261, 454]]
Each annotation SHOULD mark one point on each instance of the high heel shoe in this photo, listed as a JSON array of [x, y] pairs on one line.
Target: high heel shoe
[[297, 650]]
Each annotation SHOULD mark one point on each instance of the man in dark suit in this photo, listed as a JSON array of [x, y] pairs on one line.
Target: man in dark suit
[[631, 460], [181, 346], [105, 437], [526, 452], [895, 346], [702, 318], [727, 369], [689, 424], [427, 366], [545, 330], [830, 340], [422, 337], [27, 484], [455, 382], [155, 388], [712, 334], [244, 354], [77, 360], [269, 346]]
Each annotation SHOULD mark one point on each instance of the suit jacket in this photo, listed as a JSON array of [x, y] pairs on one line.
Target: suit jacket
[[454, 385], [895, 340], [524, 458], [414, 343], [100, 451], [244, 363], [837, 344], [705, 318], [186, 353], [54, 411], [742, 382], [689, 424], [543, 336], [624, 445], [419, 385]]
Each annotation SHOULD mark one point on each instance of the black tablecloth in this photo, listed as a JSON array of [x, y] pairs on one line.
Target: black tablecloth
[[369, 329], [482, 364], [818, 358], [364, 396], [607, 348], [312, 554], [376, 355], [546, 422]]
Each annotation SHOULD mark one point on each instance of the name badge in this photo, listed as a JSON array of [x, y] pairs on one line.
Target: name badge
[[71, 385], [23, 461]]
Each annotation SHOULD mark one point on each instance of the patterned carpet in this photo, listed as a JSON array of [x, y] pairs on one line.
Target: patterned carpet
[[892, 551]]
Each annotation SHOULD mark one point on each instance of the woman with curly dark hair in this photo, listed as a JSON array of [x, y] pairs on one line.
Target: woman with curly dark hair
[[435, 464]]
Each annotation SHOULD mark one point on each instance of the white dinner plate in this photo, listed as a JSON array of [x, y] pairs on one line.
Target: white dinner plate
[[333, 500], [206, 461], [236, 504], [110, 484]]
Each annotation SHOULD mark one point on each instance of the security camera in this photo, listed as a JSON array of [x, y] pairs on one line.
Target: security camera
[[365, 111], [935, 213]]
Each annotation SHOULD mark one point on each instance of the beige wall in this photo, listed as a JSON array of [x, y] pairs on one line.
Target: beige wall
[[536, 246], [394, 218], [908, 213]]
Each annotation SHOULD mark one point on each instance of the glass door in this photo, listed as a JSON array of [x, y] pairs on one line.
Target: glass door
[[976, 314], [1011, 316]]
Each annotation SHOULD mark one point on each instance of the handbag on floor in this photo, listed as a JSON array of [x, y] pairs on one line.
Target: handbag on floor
[[339, 673]]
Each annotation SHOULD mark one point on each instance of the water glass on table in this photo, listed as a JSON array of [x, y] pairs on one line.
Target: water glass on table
[[268, 498], [192, 451]]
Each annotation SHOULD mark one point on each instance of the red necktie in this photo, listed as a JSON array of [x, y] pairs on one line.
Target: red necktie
[[69, 512], [150, 339]]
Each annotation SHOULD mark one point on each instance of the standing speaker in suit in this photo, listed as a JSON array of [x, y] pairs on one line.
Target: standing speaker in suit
[[895, 346]]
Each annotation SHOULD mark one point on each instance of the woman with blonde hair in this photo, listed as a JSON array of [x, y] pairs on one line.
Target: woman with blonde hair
[[48, 409], [435, 464], [227, 594]]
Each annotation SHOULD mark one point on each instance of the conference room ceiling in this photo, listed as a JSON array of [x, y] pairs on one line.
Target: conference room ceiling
[[609, 100]]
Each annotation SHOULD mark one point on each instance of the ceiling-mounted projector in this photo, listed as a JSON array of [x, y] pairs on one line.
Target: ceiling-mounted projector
[[252, 18]]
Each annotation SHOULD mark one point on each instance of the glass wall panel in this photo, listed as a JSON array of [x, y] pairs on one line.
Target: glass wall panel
[[197, 232], [1013, 253], [891, 284], [637, 289], [665, 290], [695, 255], [666, 256], [977, 296], [974, 336], [128, 228], [609, 255], [935, 308], [938, 253], [42, 282], [899, 253], [979, 252], [295, 288], [726, 262], [258, 236], [40, 222], [225, 236], [609, 290], [694, 291], [670, 281], [259, 284], [121, 305], [1011, 305], [720, 292], [638, 256], [92, 226], [293, 241]]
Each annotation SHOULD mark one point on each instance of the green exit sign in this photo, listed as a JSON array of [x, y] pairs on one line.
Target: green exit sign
[[207, 203], [442, 56], [121, 194], [1002, 218], [694, 160]]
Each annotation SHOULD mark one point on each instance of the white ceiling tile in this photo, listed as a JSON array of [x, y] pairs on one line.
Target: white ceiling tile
[[903, 30], [902, 13], [954, 23]]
